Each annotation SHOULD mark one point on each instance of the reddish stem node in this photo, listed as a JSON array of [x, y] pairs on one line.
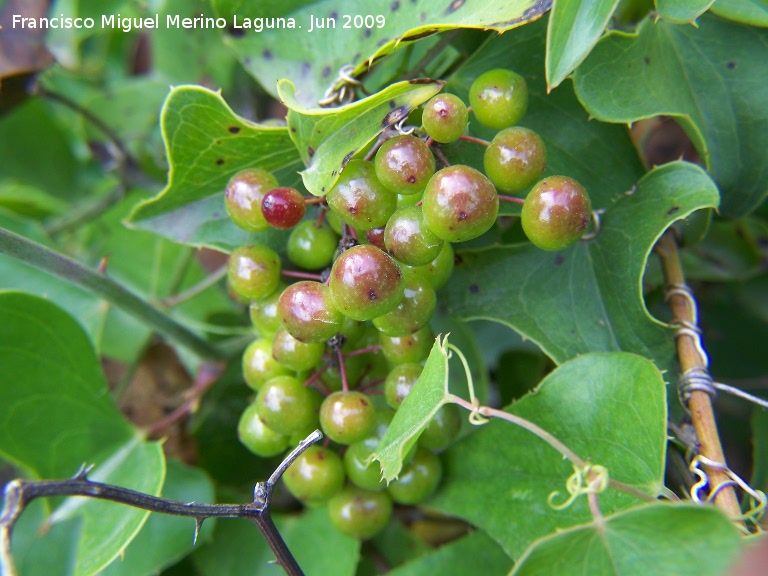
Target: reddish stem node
[[304, 275]]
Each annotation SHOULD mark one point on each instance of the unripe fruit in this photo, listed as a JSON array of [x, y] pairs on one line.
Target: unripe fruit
[[243, 195], [556, 213], [499, 98], [254, 271], [257, 436], [445, 118], [404, 164], [259, 365], [360, 513], [283, 208], [409, 240], [418, 479], [315, 476], [307, 312], [311, 246], [359, 199], [414, 310], [347, 417], [515, 159]]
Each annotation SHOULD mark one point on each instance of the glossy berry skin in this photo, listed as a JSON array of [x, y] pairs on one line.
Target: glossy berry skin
[[399, 382], [359, 199], [347, 417], [375, 237], [515, 159], [414, 310], [315, 476], [412, 348], [499, 98], [257, 436], [360, 513], [443, 429], [404, 164], [263, 313], [311, 246], [460, 204], [286, 406], [243, 195], [440, 269], [445, 118], [556, 213], [360, 471], [254, 271], [295, 354], [259, 366], [283, 208], [308, 313], [418, 479], [365, 282], [408, 239]]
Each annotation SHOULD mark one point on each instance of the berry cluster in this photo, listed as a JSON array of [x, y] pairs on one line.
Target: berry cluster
[[340, 348]]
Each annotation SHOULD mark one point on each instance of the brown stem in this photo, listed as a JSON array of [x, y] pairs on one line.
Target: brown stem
[[512, 199], [474, 140], [700, 403]]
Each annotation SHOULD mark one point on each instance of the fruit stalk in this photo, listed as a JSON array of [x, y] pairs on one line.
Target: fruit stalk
[[699, 403]]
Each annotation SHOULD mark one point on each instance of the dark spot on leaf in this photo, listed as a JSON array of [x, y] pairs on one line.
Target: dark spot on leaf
[[218, 142], [422, 17], [293, 130], [334, 173], [457, 259], [305, 68], [395, 6], [333, 15], [673, 210], [310, 151], [426, 81], [392, 105], [455, 5], [267, 55], [322, 189], [234, 129], [647, 60], [372, 295], [395, 116], [220, 161], [731, 65], [235, 32], [356, 57], [559, 260], [326, 71], [347, 158], [474, 288], [367, 33], [247, 60], [381, 42]]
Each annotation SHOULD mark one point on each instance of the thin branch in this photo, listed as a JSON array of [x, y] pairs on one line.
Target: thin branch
[[474, 140], [43, 258], [689, 354], [198, 288], [19, 493], [512, 199]]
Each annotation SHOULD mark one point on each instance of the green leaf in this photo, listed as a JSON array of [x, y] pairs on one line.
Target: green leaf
[[311, 59], [706, 78], [676, 540], [682, 11], [422, 403], [207, 144], [166, 539], [328, 139], [587, 297], [238, 548], [57, 400], [753, 12], [473, 554], [600, 156], [574, 29], [609, 408]]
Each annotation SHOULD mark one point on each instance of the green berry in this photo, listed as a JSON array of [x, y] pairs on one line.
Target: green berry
[[418, 479], [308, 313], [412, 348], [361, 471], [459, 204], [257, 436], [295, 354], [360, 513], [440, 269], [442, 429], [414, 310], [445, 118], [515, 159], [404, 164], [359, 199], [347, 417], [315, 476], [499, 98], [259, 366], [311, 246], [399, 382], [365, 282], [556, 213], [408, 239], [243, 195], [286, 405], [254, 271], [264, 315]]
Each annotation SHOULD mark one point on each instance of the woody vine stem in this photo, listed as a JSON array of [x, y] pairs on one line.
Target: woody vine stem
[[19, 493]]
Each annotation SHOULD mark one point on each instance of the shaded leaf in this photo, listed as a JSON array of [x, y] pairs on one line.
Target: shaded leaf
[[207, 144], [682, 11], [754, 12], [57, 400], [707, 78], [328, 139], [473, 554], [587, 297], [608, 408], [419, 406], [574, 28], [677, 540], [294, 51]]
